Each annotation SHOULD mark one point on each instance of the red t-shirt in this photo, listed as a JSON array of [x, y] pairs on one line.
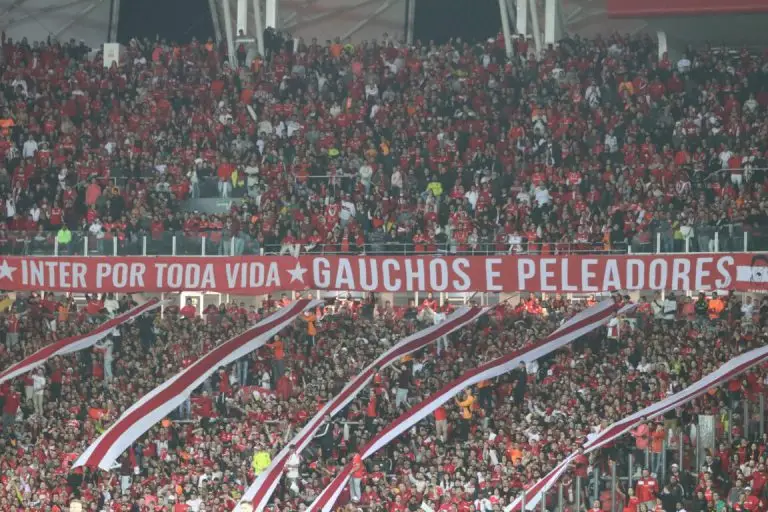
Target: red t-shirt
[[11, 405], [646, 489]]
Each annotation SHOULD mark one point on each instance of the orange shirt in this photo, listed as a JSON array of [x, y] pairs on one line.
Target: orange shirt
[[657, 440], [310, 319], [716, 306], [466, 407], [6, 125], [277, 349], [514, 454]]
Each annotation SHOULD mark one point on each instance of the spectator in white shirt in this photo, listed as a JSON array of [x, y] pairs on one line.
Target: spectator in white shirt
[[747, 310], [593, 94], [348, 211], [515, 242], [97, 231], [751, 104], [292, 470], [10, 207], [111, 305], [670, 307], [542, 196], [371, 91], [194, 181], [724, 156], [265, 127], [366, 173], [194, 503], [375, 109], [38, 391], [34, 212], [30, 148], [471, 196], [396, 181], [107, 348]]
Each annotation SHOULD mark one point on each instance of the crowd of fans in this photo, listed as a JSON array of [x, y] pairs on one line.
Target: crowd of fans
[[599, 144], [476, 453]]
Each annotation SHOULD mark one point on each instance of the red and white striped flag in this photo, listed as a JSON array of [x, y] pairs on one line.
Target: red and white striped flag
[[261, 489], [156, 404], [579, 325], [75, 343], [726, 372]]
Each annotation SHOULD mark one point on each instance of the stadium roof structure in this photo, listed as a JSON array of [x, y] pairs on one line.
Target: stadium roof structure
[[358, 19], [95, 21], [590, 18], [87, 20]]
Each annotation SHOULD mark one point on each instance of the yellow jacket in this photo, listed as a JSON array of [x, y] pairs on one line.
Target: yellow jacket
[[466, 406], [261, 461]]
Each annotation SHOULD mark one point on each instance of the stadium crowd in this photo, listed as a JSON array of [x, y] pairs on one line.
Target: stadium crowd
[[475, 453], [598, 145], [334, 147]]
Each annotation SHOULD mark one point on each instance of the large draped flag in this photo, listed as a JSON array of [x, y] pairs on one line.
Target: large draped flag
[[156, 404], [75, 343], [579, 325], [726, 372], [262, 488]]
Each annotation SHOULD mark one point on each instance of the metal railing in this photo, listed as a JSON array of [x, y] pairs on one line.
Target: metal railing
[[207, 186], [685, 446], [224, 243]]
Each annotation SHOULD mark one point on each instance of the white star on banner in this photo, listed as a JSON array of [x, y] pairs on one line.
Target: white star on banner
[[297, 273], [6, 271]]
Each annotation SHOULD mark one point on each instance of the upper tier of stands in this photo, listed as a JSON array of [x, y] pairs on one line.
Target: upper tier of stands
[[599, 145]]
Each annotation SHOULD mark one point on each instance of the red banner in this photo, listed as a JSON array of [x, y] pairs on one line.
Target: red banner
[[255, 274], [633, 8]]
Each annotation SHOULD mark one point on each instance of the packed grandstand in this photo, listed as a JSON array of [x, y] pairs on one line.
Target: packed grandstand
[[555, 401]]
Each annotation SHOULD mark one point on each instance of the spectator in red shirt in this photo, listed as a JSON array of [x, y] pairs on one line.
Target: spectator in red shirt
[[11, 403], [646, 489], [189, 310], [355, 482]]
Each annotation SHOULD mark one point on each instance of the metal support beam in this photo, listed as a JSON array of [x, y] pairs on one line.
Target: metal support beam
[[410, 7], [114, 20], [259, 21], [512, 13], [562, 26], [214, 8], [271, 14], [82, 14], [386, 5], [228, 27], [535, 26], [242, 17], [505, 27], [552, 14], [663, 47], [522, 17]]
